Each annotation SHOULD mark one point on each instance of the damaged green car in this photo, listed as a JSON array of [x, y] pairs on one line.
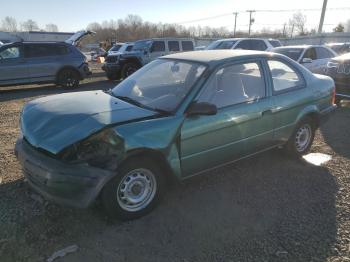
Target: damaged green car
[[178, 116]]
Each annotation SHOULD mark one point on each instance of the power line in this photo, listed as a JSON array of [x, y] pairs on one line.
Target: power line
[[264, 11]]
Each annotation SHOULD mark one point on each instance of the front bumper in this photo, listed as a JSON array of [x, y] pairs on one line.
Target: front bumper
[[75, 185], [111, 68]]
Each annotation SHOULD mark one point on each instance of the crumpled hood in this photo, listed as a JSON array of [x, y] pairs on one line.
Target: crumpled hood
[[55, 122]]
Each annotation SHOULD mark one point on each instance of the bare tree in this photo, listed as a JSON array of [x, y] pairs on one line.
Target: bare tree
[[9, 24], [51, 28], [29, 25], [298, 22]]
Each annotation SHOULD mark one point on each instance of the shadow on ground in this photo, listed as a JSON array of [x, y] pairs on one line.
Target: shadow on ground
[[266, 208], [338, 136]]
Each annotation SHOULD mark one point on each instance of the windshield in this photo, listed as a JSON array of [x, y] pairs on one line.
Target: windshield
[[227, 44], [116, 48], [142, 45], [160, 85], [293, 53]]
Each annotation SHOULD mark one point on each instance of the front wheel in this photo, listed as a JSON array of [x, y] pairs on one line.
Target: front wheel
[[301, 140], [129, 69], [68, 78], [135, 191]]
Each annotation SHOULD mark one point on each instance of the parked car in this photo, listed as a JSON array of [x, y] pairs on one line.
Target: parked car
[[143, 52], [339, 69], [120, 48], [178, 116], [42, 62], [313, 57], [259, 44], [340, 48]]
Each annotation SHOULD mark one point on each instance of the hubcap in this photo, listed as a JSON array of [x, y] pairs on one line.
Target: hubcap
[[136, 190], [303, 137]]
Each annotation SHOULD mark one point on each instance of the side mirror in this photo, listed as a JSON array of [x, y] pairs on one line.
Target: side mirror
[[306, 60], [202, 108]]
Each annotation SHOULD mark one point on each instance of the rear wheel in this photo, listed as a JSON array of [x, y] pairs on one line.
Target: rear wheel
[[129, 69], [301, 140], [135, 191], [68, 78], [112, 76]]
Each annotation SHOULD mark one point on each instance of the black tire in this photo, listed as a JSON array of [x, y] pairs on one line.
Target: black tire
[[337, 100], [295, 147], [133, 169], [68, 78], [129, 69], [112, 76]]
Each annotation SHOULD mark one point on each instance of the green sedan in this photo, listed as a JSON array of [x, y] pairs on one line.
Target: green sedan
[[179, 116]]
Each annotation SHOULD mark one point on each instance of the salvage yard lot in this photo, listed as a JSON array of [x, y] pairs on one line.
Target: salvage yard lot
[[266, 208]]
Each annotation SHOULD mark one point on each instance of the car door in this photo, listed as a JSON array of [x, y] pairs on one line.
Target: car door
[[243, 123], [290, 95], [158, 49], [323, 57], [13, 67], [311, 54], [44, 61]]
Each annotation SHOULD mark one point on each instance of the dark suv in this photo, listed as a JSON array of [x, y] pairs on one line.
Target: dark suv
[[42, 62], [122, 65]]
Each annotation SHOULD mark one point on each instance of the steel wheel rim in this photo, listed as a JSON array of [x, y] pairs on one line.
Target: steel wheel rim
[[303, 137], [136, 190]]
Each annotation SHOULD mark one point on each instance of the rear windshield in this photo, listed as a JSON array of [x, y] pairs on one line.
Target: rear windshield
[[275, 43], [293, 53], [221, 45]]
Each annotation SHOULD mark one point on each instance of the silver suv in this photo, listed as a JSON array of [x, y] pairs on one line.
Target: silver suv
[[144, 51], [42, 62]]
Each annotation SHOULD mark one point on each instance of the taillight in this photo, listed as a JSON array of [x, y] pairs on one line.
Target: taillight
[[333, 96]]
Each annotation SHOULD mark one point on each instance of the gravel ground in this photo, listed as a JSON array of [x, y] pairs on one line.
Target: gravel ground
[[266, 208]]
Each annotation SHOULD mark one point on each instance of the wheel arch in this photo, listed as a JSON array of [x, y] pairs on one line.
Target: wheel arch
[[311, 112]]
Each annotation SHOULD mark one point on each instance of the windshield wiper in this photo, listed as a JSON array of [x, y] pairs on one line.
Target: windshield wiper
[[131, 101]]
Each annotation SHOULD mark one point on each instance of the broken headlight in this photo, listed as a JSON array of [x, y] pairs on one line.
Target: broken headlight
[[99, 150]]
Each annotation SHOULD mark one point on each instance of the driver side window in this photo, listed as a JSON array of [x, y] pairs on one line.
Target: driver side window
[[10, 53], [310, 53], [234, 84]]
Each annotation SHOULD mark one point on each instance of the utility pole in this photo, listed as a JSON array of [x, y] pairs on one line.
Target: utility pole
[[324, 7], [234, 29], [284, 30], [291, 34], [251, 20]]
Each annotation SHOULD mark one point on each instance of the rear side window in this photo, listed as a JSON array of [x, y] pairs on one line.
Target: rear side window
[[275, 43], [43, 50], [187, 46], [234, 84], [284, 77], [10, 53], [244, 44], [158, 46], [310, 53], [323, 53], [258, 45], [174, 46], [129, 48]]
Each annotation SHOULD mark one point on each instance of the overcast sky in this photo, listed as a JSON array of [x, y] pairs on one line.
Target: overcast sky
[[73, 15]]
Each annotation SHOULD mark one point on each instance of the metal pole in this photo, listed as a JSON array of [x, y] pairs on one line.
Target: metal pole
[[291, 34], [234, 29], [324, 7], [250, 20]]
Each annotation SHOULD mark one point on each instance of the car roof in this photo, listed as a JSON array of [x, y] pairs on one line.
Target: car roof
[[213, 57], [245, 38], [166, 38], [299, 46]]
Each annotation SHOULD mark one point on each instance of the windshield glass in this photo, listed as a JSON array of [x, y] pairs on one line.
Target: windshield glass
[[293, 53], [160, 85], [115, 48], [142, 45], [228, 44]]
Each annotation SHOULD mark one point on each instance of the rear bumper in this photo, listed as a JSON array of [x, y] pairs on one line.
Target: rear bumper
[[327, 112], [75, 185], [85, 70]]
